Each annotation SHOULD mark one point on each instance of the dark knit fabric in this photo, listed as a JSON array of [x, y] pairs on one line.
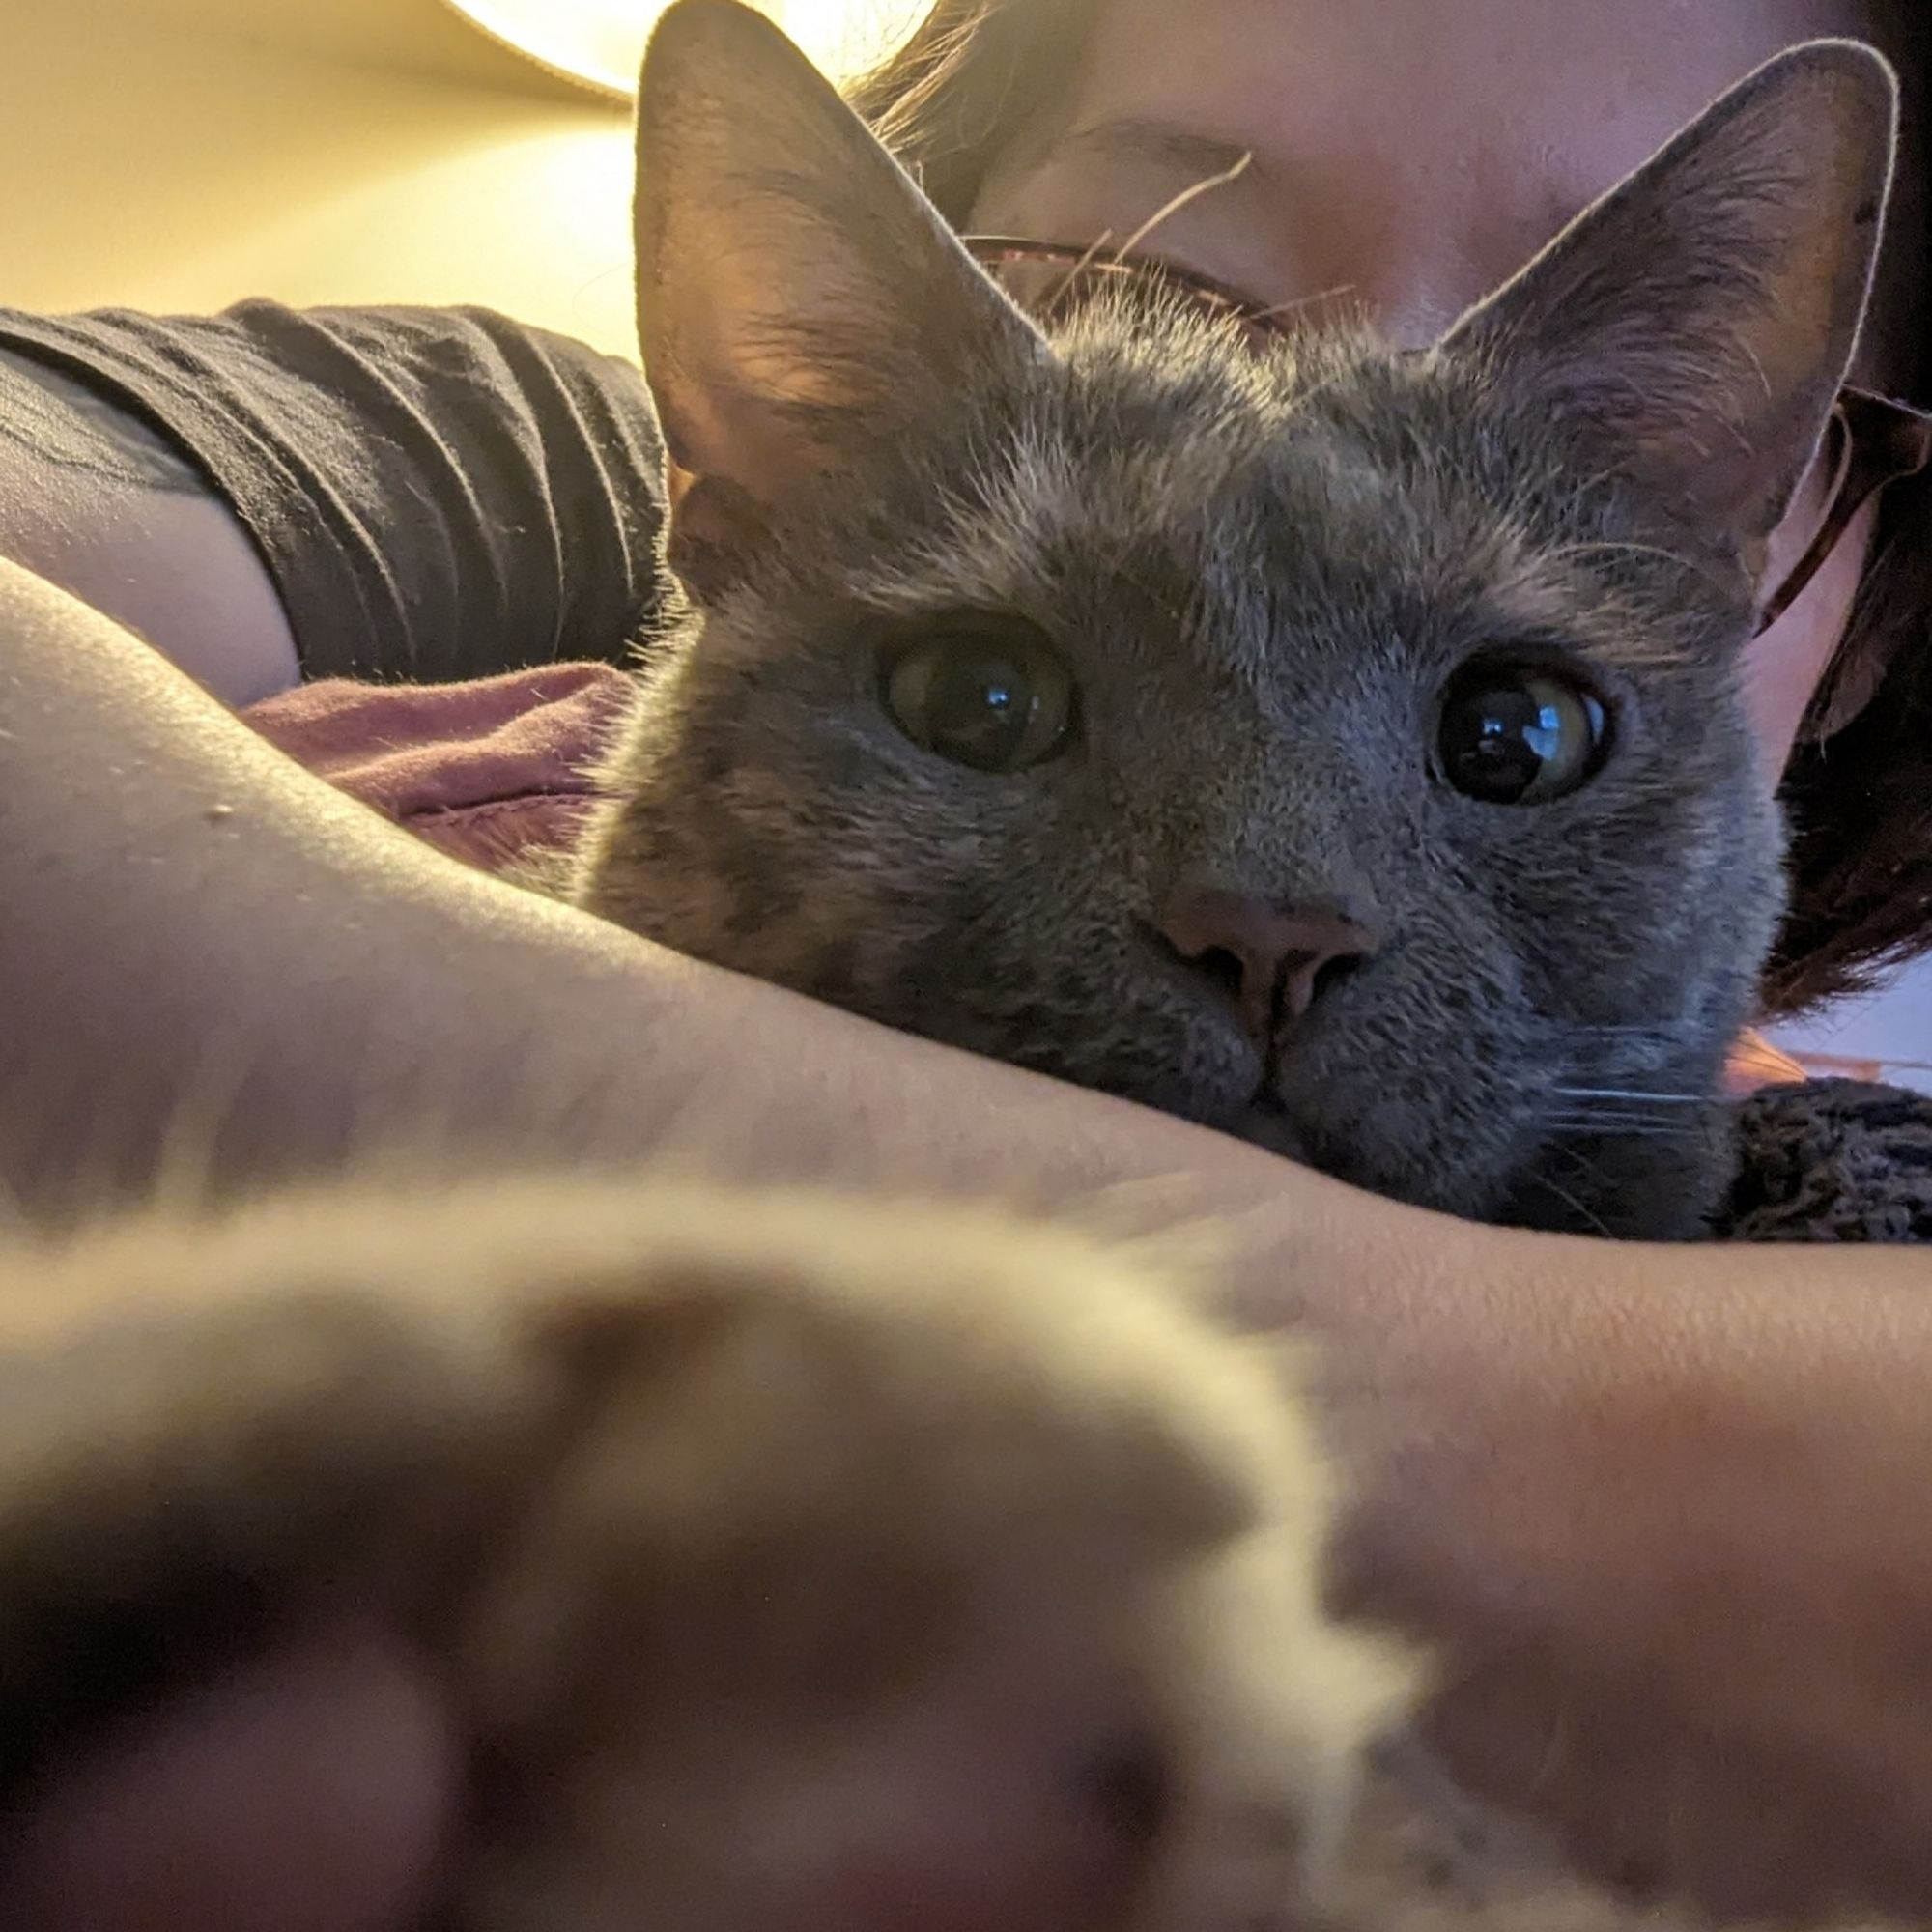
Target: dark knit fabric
[[1833, 1160]]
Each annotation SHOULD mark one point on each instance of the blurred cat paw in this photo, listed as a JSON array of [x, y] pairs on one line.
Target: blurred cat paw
[[788, 1563]]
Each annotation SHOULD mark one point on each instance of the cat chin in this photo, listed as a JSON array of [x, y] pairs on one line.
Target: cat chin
[[1637, 1186], [1267, 1123], [1649, 1205]]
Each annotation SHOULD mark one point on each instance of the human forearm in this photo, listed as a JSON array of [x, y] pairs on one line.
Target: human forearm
[[1665, 1510], [96, 500], [209, 946]]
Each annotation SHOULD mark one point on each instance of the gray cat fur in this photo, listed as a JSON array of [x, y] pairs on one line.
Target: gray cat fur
[[1261, 569]]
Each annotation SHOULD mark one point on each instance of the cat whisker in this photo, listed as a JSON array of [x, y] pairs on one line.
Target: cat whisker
[[1299, 302], [1573, 1109], [1635, 1096], [1601, 546], [1094, 249], [1570, 1201], [1606, 545], [1612, 1028], [1624, 1128], [1186, 198]]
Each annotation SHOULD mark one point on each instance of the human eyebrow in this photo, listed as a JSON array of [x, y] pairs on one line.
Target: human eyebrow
[[1203, 165], [1134, 137]]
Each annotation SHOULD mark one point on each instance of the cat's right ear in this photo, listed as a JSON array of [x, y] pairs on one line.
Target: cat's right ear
[[1695, 326], [799, 300]]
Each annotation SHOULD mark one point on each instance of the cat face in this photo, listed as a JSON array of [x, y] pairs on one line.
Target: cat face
[[1334, 747]]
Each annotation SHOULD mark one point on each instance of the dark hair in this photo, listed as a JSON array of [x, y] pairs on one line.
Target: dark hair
[[1859, 796], [976, 74]]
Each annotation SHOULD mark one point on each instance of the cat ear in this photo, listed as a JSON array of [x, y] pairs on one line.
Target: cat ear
[[1697, 321], [799, 300]]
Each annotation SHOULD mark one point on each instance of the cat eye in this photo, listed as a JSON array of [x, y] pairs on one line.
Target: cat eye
[[993, 697], [1519, 734]]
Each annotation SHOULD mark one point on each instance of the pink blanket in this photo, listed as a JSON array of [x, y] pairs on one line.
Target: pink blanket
[[487, 770], [493, 769]]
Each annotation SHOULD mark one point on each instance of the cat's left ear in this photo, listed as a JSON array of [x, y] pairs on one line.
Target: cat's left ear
[[1695, 326], [799, 300]]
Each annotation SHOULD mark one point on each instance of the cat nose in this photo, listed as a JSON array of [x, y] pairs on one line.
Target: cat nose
[[1270, 961]]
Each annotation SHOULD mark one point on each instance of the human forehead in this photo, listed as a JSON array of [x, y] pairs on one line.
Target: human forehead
[[1380, 132]]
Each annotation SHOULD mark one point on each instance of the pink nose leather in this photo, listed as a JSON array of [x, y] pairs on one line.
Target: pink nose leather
[[1271, 961]]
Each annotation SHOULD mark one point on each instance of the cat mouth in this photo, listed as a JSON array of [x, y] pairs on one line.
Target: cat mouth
[[1267, 1123], [1270, 1123]]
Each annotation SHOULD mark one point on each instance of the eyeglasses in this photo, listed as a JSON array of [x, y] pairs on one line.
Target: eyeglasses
[[1872, 441]]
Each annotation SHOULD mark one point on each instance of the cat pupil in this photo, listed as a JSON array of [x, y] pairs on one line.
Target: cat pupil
[[997, 704], [979, 710], [1519, 736]]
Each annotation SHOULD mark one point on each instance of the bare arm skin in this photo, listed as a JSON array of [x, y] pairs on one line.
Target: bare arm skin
[[96, 500], [1587, 1468], [230, 964], [1668, 1508]]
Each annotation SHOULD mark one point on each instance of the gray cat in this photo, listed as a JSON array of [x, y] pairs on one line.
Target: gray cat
[[1338, 747]]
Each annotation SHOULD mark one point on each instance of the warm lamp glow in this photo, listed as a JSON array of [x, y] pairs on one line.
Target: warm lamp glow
[[601, 42]]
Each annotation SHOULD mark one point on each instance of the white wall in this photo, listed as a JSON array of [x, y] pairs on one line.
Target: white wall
[[183, 154], [1894, 1027]]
